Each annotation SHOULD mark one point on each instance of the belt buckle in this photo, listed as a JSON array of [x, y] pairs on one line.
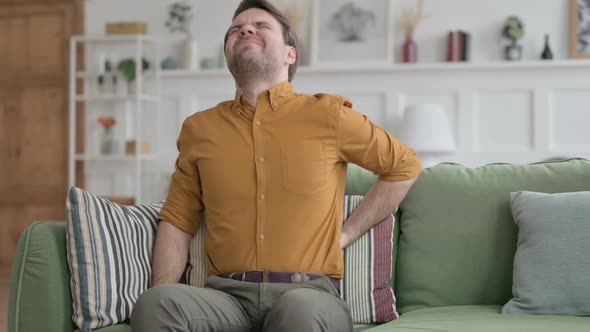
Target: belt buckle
[[299, 277]]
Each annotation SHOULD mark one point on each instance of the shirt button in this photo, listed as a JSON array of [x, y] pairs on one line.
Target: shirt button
[[261, 159], [262, 197], [258, 123], [261, 236]]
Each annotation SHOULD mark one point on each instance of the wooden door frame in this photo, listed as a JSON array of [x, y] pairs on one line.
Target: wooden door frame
[[72, 12], [78, 19]]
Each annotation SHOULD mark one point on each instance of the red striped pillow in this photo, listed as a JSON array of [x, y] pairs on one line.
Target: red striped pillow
[[367, 271]]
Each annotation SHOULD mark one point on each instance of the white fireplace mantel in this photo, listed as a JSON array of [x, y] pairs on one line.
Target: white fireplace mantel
[[516, 112]]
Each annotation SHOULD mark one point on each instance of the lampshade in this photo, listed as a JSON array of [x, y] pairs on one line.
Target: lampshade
[[426, 128]]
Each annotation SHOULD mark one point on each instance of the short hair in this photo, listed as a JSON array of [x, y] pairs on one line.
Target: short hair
[[289, 35]]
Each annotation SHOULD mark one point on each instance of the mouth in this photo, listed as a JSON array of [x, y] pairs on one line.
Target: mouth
[[248, 42]]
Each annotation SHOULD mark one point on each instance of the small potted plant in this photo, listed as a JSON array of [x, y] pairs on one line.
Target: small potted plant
[[513, 31], [107, 139], [127, 69], [180, 17]]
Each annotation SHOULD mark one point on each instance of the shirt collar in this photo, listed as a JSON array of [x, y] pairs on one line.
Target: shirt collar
[[275, 96]]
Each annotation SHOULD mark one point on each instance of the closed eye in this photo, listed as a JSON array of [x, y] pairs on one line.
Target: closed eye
[[233, 29], [263, 25]]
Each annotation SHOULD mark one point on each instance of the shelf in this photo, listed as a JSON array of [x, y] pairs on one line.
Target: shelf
[[115, 38], [179, 73], [115, 157], [143, 97], [93, 76], [85, 89], [368, 67], [449, 66]]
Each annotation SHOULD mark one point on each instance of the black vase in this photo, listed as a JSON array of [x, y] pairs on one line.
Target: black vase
[[547, 54]]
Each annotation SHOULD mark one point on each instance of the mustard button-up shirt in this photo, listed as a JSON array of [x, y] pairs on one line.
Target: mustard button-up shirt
[[270, 181]]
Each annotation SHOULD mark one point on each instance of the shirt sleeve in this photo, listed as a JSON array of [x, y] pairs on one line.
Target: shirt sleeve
[[183, 206], [363, 143]]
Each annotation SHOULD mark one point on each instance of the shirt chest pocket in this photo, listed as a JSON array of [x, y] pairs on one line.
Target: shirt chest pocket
[[304, 167]]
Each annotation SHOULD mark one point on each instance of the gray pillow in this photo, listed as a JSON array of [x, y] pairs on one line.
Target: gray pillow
[[552, 261]]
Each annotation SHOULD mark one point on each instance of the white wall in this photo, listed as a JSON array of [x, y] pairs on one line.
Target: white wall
[[483, 18]]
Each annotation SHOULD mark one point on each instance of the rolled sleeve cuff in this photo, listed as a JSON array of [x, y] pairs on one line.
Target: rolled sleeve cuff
[[408, 171], [179, 217]]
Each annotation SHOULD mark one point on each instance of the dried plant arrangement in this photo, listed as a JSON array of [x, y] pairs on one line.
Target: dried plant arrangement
[[411, 18]]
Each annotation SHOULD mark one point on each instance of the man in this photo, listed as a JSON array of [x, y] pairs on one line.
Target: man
[[268, 171]]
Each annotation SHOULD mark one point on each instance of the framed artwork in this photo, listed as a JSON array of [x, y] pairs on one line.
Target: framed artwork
[[352, 31], [580, 29], [298, 14]]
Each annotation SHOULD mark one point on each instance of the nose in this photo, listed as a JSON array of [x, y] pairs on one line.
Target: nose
[[247, 30]]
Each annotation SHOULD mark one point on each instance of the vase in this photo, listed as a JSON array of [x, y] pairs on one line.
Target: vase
[[190, 54], [107, 142], [513, 52], [409, 51], [547, 54], [131, 87]]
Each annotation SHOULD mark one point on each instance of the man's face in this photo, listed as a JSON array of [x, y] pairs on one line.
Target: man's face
[[255, 38]]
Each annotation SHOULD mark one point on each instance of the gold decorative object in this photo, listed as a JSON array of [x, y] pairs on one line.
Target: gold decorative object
[[126, 28]]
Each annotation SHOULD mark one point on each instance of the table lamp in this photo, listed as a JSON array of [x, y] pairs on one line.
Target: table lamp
[[426, 129]]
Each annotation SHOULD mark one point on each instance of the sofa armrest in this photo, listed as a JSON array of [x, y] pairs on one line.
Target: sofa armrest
[[40, 298]]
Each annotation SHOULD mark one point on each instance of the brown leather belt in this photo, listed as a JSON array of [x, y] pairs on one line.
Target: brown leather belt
[[280, 277]]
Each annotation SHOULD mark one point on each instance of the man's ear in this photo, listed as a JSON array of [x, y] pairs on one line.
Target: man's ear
[[291, 56]]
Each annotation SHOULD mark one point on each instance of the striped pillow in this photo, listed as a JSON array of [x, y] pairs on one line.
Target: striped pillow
[[196, 271], [367, 271], [109, 252]]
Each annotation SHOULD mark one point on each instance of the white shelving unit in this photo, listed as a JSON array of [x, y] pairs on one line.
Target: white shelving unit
[[146, 97]]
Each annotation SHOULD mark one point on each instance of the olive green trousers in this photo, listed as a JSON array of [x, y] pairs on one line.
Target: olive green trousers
[[232, 305]]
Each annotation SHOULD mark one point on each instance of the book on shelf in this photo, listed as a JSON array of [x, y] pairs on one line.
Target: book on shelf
[[458, 46]]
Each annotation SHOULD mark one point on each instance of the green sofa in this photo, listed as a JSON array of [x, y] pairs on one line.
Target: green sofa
[[453, 255]]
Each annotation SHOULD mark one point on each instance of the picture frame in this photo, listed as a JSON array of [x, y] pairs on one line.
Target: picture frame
[[352, 32], [299, 14], [580, 29]]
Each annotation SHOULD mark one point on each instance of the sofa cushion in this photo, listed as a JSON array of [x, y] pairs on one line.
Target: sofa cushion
[[551, 266], [359, 180], [115, 328], [481, 319], [109, 256], [39, 297], [367, 271], [127, 328], [458, 237]]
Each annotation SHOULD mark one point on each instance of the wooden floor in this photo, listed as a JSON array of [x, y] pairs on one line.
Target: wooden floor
[[3, 305]]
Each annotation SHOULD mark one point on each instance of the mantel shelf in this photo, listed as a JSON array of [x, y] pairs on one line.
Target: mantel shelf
[[418, 67], [94, 75], [115, 38], [109, 97], [115, 157]]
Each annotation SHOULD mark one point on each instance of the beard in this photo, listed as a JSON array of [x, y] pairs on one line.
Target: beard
[[246, 67]]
